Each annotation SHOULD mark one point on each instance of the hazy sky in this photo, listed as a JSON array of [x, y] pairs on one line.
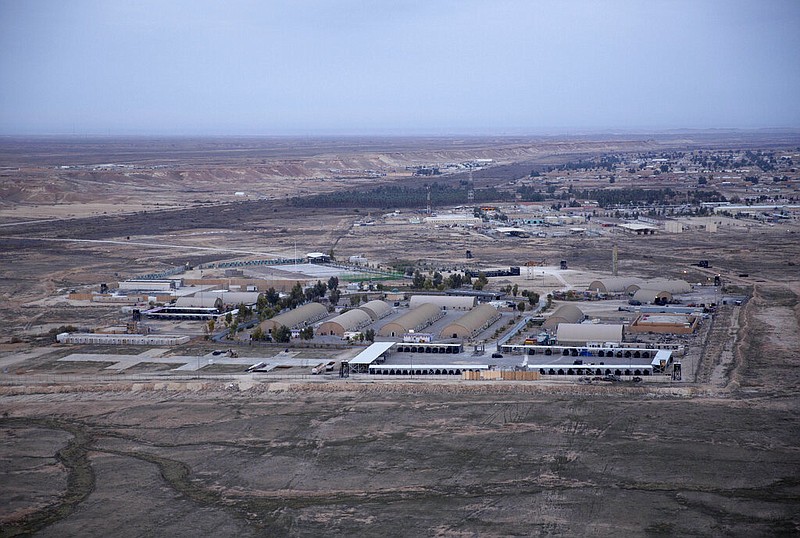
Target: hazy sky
[[394, 66]]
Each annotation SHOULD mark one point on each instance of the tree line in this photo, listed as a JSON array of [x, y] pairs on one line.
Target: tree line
[[390, 196]]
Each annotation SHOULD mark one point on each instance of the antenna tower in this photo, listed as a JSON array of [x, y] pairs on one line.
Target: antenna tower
[[429, 200], [614, 260]]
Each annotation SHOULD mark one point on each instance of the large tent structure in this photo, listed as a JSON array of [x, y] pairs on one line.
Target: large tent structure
[[567, 313], [448, 302], [414, 320], [352, 320], [582, 333], [376, 309], [472, 323], [299, 317]]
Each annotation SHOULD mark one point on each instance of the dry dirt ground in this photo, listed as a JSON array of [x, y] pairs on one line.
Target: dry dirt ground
[[719, 457], [289, 458]]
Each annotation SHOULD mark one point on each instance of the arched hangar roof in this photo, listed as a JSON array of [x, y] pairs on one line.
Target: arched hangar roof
[[300, 316], [376, 309], [566, 313], [615, 284], [580, 333], [352, 320], [668, 284], [448, 302], [472, 322], [649, 295], [414, 320]]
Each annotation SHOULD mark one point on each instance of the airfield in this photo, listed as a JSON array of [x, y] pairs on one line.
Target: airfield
[[182, 440]]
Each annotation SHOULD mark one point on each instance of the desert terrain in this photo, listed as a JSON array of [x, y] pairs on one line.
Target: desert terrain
[[87, 452]]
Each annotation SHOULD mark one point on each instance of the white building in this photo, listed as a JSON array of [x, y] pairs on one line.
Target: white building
[[122, 339]]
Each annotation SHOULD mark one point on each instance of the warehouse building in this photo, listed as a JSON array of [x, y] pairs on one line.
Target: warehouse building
[[415, 320], [567, 313], [583, 333], [649, 295], [472, 323], [669, 285], [376, 309], [207, 299], [350, 321], [122, 339], [629, 285], [148, 285], [447, 302], [301, 316], [662, 323], [616, 285]]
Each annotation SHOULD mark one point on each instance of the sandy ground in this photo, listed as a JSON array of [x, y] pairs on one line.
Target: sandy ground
[[139, 454]]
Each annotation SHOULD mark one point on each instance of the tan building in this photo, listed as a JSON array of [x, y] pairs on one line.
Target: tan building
[[414, 320], [579, 334], [665, 323], [352, 320], [648, 296], [301, 316], [376, 309], [448, 302], [472, 323], [567, 313], [616, 285]]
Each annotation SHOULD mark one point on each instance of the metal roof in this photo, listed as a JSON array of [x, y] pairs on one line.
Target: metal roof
[[566, 313], [443, 301], [369, 355], [376, 309], [413, 320], [301, 315], [416, 366], [471, 322], [352, 320], [588, 332]]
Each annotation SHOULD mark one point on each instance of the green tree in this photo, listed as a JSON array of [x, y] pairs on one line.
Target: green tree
[[334, 296], [370, 335], [297, 295], [456, 280], [272, 296], [418, 281], [282, 334], [521, 306], [320, 288], [355, 300], [257, 334], [333, 283], [437, 279], [515, 290], [261, 302], [307, 333]]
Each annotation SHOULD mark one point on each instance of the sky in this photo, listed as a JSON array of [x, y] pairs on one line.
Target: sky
[[275, 67]]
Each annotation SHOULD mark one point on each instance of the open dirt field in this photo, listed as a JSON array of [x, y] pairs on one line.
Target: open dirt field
[[144, 455]]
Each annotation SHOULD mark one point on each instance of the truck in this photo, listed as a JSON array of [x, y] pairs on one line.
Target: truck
[[318, 369]]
